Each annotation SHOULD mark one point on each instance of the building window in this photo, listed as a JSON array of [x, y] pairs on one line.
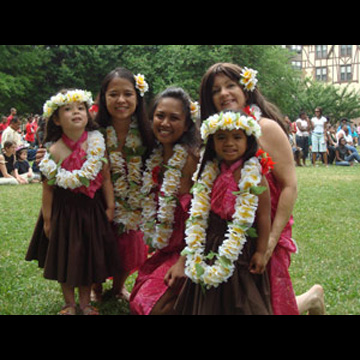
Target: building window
[[321, 74], [296, 65], [345, 73], [345, 50], [321, 51]]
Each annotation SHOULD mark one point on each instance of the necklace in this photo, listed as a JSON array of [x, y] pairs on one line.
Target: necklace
[[158, 216], [246, 205], [126, 177], [76, 178]]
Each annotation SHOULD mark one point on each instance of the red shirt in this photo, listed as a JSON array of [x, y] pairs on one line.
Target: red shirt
[[30, 132]]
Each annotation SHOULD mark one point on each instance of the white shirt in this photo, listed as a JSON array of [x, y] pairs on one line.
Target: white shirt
[[10, 135], [302, 123], [318, 124]]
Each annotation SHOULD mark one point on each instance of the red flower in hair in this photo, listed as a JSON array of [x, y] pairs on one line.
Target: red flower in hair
[[266, 162]]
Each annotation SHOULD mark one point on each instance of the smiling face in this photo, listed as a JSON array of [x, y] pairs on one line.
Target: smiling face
[[72, 117], [230, 145], [169, 121], [227, 94], [121, 99]]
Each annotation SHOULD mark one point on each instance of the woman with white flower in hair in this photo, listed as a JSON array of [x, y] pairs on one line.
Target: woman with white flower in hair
[[228, 229], [165, 198], [73, 239], [129, 139]]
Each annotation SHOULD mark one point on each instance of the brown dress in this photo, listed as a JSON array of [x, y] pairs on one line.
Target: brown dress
[[244, 293], [82, 248]]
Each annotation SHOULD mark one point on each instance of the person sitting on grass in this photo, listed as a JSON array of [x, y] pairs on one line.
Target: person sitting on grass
[[344, 157]]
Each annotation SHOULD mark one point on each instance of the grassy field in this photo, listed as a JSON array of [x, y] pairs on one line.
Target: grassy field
[[326, 230]]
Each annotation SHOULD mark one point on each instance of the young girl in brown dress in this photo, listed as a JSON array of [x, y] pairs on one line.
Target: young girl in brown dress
[[228, 229], [73, 240]]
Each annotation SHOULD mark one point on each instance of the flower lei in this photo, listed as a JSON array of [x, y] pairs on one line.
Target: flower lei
[[157, 224], [76, 178], [126, 176], [71, 96], [235, 238]]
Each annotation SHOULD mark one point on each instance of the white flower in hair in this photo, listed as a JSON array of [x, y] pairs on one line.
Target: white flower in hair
[[249, 79], [141, 84]]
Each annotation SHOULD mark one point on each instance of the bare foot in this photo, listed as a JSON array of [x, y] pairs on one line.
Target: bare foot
[[317, 301]]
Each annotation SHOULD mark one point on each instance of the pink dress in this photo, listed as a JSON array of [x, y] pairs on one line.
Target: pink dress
[[150, 286], [282, 293]]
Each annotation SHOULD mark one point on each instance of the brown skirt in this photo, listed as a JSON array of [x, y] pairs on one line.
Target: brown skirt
[[82, 248], [243, 294]]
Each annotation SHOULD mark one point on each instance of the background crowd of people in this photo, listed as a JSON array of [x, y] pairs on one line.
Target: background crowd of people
[[19, 139], [317, 139]]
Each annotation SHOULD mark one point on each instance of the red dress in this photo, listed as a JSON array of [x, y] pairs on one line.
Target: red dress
[[150, 286], [282, 293]]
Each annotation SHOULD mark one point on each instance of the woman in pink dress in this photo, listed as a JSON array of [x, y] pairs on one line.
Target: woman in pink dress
[[129, 139], [166, 191], [230, 87]]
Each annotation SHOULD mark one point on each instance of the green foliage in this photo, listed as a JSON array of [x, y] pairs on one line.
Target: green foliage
[[30, 74]]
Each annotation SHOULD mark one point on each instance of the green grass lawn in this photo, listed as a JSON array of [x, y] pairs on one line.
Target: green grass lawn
[[326, 231]]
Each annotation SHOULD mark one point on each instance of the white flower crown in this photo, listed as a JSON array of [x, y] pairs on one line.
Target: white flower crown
[[141, 84], [71, 96], [230, 121]]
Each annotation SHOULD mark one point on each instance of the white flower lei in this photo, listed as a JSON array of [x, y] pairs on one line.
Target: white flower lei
[[76, 178], [235, 238], [158, 229], [127, 184]]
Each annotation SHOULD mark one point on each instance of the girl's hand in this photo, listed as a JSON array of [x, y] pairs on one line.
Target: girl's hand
[[257, 264], [47, 228], [110, 213], [40, 153], [175, 277]]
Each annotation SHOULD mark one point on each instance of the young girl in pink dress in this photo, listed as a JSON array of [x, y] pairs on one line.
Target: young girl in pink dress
[[231, 206], [166, 198], [73, 239], [129, 139]]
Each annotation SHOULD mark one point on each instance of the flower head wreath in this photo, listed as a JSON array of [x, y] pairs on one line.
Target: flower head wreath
[[230, 121], [141, 84], [61, 99], [249, 79]]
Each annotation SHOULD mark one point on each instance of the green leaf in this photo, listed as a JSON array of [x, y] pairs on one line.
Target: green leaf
[[258, 190], [225, 262], [252, 233], [199, 270], [85, 181]]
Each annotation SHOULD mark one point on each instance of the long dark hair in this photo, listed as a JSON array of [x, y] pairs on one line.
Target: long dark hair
[[233, 72], [103, 117], [191, 138], [54, 132]]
